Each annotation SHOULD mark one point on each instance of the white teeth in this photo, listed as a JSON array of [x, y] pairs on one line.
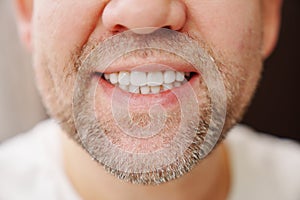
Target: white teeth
[[155, 78], [167, 87], [106, 76], [124, 87], [179, 76], [169, 76], [113, 78], [138, 78], [155, 89], [177, 84], [134, 89], [145, 90], [124, 78], [147, 82]]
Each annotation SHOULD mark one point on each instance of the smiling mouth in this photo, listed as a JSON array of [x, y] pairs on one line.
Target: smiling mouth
[[153, 82]]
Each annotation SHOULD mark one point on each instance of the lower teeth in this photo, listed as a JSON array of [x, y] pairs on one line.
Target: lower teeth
[[149, 89]]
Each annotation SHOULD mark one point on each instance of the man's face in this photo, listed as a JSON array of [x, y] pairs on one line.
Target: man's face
[[65, 32]]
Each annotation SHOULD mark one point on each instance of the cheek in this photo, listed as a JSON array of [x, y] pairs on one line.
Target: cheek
[[60, 30], [58, 35], [60, 27], [233, 29], [231, 26]]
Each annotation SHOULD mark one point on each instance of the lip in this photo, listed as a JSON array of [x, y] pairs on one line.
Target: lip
[[154, 62], [168, 99], [149, 64]]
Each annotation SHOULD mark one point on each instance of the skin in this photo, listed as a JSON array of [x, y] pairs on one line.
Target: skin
[[241, 34]]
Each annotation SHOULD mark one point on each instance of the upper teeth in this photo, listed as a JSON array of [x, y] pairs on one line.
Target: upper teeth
[[147, 82]]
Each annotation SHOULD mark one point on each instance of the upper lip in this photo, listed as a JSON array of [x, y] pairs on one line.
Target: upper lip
[[149, 64]]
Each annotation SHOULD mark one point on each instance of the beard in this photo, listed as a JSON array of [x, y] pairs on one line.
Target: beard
[[133, 144]]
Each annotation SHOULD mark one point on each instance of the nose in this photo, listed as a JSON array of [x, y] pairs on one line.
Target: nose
[[136, 15]]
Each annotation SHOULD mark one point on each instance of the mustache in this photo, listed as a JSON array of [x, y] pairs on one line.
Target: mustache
[[163, 41]]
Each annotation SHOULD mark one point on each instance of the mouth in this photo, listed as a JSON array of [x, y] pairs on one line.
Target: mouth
[[145, 83], [148, 79]]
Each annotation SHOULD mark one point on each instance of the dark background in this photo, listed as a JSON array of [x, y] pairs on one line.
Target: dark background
[[275, 108]]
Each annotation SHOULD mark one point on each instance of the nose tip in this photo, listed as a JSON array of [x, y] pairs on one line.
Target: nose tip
[[143, 16]]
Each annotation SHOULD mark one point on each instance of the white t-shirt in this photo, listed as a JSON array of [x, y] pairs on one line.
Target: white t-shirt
[[262, 167]]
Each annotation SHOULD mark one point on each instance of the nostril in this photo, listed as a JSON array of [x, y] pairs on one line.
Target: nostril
[[118, 28], [167, 27]]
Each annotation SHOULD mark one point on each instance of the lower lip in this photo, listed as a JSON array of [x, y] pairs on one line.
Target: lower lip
[[168, 98]]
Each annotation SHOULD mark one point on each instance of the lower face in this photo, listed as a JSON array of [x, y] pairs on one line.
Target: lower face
[[151, 88]]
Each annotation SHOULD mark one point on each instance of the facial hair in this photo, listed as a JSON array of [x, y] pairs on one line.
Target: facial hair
[[196, 137]]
